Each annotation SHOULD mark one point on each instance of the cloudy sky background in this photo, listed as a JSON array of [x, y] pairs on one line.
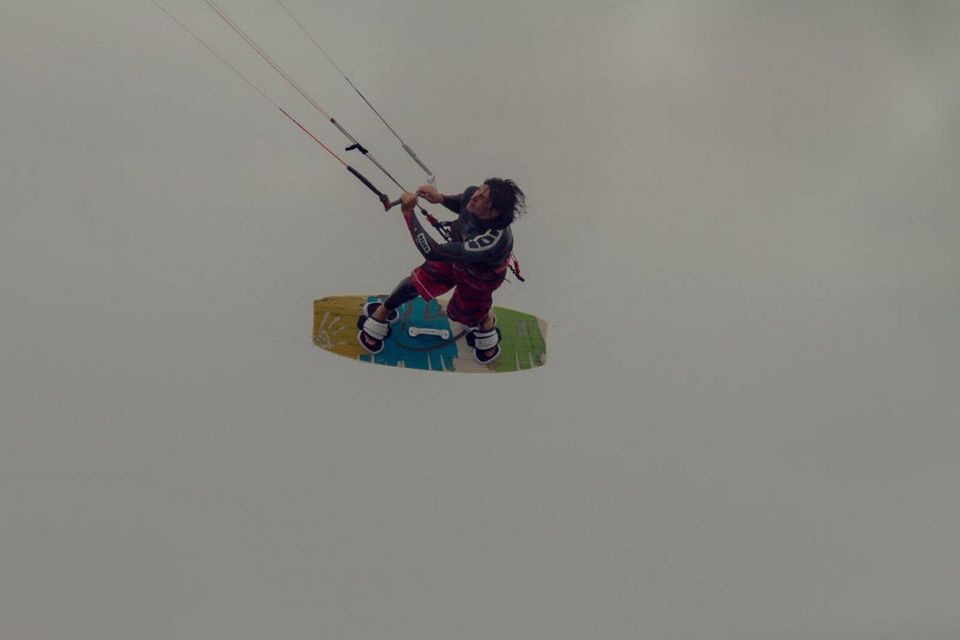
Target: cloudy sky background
[[743, 229]]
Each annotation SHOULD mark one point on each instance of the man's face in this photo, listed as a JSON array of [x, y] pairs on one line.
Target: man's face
[[479, 204]]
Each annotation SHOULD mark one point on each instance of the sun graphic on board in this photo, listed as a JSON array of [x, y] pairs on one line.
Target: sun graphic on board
[[332, 332]]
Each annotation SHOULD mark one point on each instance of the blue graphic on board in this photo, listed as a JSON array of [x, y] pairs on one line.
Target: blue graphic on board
[[428, 351]]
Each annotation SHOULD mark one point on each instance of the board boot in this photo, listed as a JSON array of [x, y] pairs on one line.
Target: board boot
[[484, 341], [372, 331], [370, 307]]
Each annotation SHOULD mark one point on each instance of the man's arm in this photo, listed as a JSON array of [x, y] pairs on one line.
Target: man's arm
[[479, 249], [428, 191]]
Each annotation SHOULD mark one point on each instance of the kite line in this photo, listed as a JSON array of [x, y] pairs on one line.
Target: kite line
[[355, 144]]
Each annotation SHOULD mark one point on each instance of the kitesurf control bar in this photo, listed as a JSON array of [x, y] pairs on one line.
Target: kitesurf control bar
[[266, 57], [431, 177], [384, 200], [387, 205]]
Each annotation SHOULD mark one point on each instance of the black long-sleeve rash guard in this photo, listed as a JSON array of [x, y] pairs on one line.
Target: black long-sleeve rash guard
[[472, 240]]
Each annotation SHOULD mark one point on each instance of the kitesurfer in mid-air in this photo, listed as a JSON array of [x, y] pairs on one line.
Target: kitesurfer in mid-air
[[473, 263]]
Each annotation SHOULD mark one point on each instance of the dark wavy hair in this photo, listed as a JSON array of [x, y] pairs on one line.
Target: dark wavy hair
[[507, 199]]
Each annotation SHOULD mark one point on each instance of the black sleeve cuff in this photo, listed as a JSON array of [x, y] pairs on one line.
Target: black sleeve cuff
[[452, 202]]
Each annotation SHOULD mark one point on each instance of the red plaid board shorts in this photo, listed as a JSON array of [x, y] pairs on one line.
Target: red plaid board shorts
[[473, 294]]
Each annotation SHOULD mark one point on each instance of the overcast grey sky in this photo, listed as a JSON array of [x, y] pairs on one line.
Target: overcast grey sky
[[743, 229]]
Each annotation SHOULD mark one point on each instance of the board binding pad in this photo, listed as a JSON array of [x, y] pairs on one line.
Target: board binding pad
[[425, 338]]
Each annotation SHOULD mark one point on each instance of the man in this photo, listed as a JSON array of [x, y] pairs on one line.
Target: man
[[473, 262]]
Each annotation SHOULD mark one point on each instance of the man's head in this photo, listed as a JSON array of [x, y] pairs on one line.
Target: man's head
[[497, 202]]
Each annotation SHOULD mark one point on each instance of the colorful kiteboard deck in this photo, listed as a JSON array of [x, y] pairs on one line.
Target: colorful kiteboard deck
[[425, 338]]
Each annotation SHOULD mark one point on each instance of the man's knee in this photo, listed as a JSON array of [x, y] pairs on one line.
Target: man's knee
[[468, 312]]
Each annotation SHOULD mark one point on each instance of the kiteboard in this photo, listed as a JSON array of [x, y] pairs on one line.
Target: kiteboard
[[425, 338]]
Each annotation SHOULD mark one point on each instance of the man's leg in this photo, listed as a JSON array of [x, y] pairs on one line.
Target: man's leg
[[404, 292], [371, 336], [471, 307], [429, 280]]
